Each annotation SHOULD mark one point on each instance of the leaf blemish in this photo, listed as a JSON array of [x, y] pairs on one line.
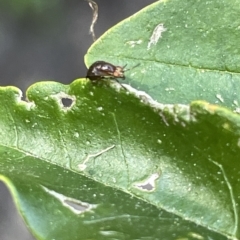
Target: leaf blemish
[[83, 165], [156, 35], [220, 98], [180, 112], [132, 44], [76, 206], [149, 184], [65, 101], [237, 110]]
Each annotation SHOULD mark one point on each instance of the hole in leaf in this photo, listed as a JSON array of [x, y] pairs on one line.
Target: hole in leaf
[[67, 102], [147, 187], [75, 205], [148, 184]]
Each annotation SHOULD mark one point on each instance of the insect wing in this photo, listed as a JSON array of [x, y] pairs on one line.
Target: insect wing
[[106, 69]]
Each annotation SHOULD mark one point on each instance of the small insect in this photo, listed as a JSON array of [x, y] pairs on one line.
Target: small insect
[[101, 70]]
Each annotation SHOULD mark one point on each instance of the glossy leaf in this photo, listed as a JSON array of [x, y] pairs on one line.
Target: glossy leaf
[[90, 161], [130, 164], [196, 57]]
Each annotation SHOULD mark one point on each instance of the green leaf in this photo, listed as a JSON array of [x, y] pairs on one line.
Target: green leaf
[[138, 171], [196, 58], [115, 164]]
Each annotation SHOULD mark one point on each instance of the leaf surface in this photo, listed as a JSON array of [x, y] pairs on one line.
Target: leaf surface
[[188, 50], [127, 163], [119, 165]]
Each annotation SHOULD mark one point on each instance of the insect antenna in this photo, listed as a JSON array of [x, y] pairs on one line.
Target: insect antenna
[[131, 67]]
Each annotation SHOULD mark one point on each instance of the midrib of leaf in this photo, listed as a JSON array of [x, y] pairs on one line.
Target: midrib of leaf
[[198, 68]]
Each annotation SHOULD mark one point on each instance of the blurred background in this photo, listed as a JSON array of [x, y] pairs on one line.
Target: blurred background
[[47, 40]]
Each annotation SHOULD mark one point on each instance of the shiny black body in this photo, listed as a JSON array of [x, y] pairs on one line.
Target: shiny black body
[[100, 70]]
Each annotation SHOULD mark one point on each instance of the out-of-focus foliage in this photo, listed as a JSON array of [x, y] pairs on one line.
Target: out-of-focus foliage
[[22, 7]]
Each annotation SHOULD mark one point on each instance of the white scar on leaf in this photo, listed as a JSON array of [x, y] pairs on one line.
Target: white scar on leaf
[[157, 33], [83, 165]]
